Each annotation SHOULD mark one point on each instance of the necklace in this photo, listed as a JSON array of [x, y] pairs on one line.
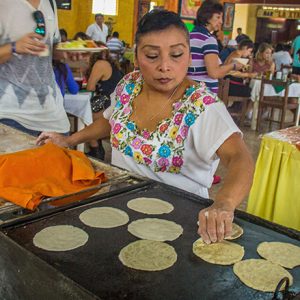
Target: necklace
[[152, 117]]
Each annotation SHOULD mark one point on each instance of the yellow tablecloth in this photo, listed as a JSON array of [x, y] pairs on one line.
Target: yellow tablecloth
[[129, 54], [275, 193]]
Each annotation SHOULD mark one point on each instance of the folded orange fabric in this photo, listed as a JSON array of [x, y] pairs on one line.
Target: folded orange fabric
[[48, 171]]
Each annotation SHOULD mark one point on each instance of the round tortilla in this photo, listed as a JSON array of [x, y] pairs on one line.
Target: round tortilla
[[223, 253], [283, 254], [148, 255], [155, 229], [60, 238], [150, 206], [260, 274], [237, 231], [104, 217]]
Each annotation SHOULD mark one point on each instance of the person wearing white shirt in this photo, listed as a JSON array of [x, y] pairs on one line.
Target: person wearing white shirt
[[281, 57], [98, 31]]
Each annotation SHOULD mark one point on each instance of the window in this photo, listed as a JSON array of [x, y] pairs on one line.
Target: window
[[105, 7], [63, 4]]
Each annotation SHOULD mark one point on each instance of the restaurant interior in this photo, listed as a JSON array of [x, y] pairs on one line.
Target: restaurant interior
[[77, 239]]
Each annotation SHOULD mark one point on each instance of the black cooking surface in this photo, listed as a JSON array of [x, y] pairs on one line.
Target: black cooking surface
[[96, 267]]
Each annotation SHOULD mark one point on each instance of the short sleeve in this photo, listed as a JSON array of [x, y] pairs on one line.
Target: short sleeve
[[89, 30], [108, 112], [212, 128]]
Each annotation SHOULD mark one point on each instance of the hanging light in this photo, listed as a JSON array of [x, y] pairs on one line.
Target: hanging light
[[105, 7]]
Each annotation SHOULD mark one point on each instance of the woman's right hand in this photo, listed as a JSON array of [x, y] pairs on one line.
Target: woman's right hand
[[30, 44], [53, 137]]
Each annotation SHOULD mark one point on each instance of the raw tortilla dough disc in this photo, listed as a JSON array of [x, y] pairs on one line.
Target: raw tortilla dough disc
[[60, 238], [150, 206], [104, 217], [283, 254], [155, 229], [237, 231], [260, 274], [148, 255], [223, 253]]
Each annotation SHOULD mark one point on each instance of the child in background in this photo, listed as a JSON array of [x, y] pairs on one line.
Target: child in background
[[64, 78]]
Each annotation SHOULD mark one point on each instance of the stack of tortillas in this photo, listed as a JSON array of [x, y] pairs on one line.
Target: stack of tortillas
[[265, 274], [150, 253]]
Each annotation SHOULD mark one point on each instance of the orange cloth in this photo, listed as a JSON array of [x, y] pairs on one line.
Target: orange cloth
[[48, 171]]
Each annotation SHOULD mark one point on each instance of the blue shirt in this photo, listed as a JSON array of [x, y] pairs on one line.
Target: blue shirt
[[66, 83]]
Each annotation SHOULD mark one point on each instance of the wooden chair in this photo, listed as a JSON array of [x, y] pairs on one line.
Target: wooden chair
[[286, 68], [223, 94], [280, 102]]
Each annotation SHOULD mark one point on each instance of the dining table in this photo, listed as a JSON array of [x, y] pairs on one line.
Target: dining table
[[255, 85], [79, 105], [275, 192]]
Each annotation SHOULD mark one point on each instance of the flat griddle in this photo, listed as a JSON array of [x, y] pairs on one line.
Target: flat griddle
[[96, 267]]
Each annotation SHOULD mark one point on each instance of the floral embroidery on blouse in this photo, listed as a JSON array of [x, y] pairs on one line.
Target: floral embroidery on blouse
[[161, 149]]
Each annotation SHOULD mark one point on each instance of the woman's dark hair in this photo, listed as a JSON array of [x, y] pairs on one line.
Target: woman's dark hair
[[248, 44], [206, 11], [63, 32], [157, 20], [81, 35], [279, 47]]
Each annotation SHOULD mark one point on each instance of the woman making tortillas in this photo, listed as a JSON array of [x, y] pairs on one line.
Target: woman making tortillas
[[170, 128]]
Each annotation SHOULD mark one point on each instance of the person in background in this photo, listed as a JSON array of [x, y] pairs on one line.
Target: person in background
[[103, 75], [98, 31], [64, 78], [238, 86], [206, 65], [231, 46], [81, 35], [63, 35], [169, 128], [281, 57], [296, 60], [263, 62], [30, 99], [115, 47], [241, 36]]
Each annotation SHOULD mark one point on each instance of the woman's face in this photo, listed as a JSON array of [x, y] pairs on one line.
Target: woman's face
[[215, 22], [267, 54], [163, 58]]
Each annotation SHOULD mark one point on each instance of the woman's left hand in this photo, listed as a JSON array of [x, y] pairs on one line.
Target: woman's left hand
[[215, 222]]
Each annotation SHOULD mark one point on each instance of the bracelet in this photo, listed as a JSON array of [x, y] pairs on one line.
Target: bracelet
[[234, 66], [13, 48]]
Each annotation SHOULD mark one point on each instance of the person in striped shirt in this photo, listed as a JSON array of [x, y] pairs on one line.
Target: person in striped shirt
[[206, 65], [115, 46]]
